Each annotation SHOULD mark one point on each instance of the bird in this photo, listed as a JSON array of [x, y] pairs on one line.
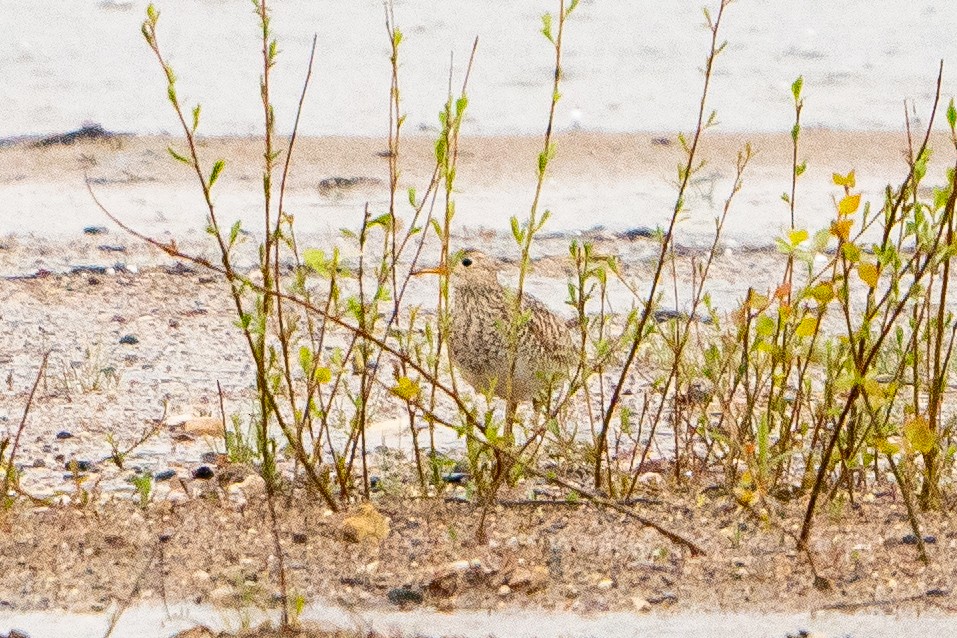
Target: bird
[[483, 318]]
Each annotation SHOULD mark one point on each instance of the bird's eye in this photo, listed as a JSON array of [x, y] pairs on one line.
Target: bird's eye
[[466, 262]]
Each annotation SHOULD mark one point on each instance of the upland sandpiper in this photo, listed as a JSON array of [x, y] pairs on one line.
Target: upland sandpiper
[[484, 324]]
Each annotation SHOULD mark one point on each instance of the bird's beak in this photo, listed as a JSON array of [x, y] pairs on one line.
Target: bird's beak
[[435, 270]]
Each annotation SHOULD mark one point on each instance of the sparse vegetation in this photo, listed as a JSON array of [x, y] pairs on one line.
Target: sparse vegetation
[[818, 387]]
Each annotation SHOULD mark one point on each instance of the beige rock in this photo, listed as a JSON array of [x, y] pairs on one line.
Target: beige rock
[[606, 583], [642, 606], [504, 590], [366, 525], [529, 579], [204, 426]]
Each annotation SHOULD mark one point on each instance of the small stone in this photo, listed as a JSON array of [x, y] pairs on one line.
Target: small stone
[[664, 598], [221, 594], [204, 426], [203, 472], [641, 605], [504, 590], [366, 525], [605, 583], [456, 478], [63, 434], [129, 340], [74, 465], [405, 596], [95, 230], [201, 577], [299, 538], [911, 539], [530, 580], [165, 475]]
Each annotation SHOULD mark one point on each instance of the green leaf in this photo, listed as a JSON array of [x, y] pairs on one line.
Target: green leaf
[[217, 169], [517, 232], [315, 259], [951, 115], [196, 110], [178, 157], [800, 168], [234, 232], [412, 196], [796, 88], [547, 27], [305, 359]]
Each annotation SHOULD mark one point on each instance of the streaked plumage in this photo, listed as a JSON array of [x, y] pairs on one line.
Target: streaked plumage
[[482, 310]]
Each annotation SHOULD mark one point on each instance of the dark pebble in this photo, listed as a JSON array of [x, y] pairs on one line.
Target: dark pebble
[[207, 280], [38, 463], [129, 340], [661, 141], [666, 598], [165, 475], [936, 592], [299, 538], [642, 232], [203, 472], [63, 434], [179, 268], [75, 465], [165, 537], [404, 596], [374, 482], [456, 478], [111, 249], [96, 230], [88, 270], [910, 539]]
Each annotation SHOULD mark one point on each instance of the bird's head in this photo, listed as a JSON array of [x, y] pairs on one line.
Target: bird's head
[[467, 268]]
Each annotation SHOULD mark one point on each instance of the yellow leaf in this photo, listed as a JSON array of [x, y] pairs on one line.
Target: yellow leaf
[[868, 273], [757, 301], [918, 433], [849, 204], [797, 236], [807, 327], [323, 375], [842, 229], [886, 447], [844, 180], [406, 389], [822, 292]]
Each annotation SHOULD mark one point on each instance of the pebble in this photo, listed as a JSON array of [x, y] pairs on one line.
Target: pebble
[[299, 538], [204, 426], [96, 230], [910, 539], [456, 478], [404, 596], [75, 465], [63, 434], [129, 340], [203, 472], [504, 590], [165, 475], [641, 605], [605, 583]]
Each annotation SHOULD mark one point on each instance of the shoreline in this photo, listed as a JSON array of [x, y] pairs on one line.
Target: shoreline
[[609, 180]]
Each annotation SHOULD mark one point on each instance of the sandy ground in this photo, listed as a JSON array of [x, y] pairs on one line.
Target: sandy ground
[[216, 549]]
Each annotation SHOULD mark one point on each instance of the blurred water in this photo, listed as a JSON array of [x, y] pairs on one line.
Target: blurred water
[[630, 64]]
